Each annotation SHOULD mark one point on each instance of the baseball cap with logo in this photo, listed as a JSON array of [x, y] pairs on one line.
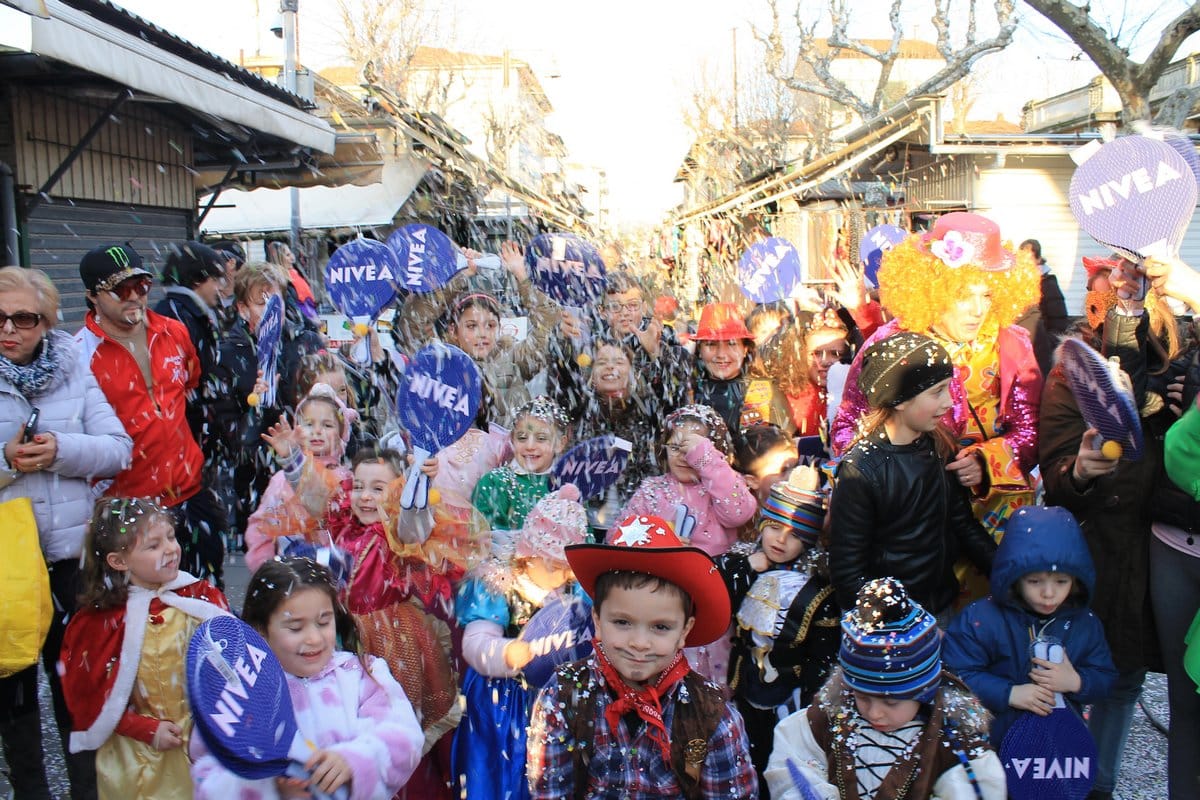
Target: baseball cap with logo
[[105, 266]]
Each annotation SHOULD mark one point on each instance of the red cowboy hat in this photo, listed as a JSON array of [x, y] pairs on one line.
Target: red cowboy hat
[[721, 322], [960, 238], [649, 545], [1095, 265]]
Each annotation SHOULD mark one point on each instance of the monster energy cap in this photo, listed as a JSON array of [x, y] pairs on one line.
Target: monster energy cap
[[105, 266]]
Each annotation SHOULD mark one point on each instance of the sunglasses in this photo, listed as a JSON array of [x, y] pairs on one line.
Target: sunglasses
[[128, 288], [24, 320]]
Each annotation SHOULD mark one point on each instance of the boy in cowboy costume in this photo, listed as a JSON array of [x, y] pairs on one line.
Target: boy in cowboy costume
[[634, 719]]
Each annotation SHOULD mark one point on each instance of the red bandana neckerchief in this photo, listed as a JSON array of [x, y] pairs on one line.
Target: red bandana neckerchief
[[647, 701]]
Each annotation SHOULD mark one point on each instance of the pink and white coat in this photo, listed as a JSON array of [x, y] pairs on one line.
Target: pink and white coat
[[720, 501], [363, 716]]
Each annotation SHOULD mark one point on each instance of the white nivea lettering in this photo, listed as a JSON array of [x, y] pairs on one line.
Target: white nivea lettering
[[1019, 766], [248, 675], [1166, 174], [420, 384], [463, 406], [257, 657], [1113, 191], [337, 274], [229, 713], [1123, 186]]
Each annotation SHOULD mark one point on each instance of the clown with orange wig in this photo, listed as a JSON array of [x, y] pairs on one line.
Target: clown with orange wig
[[961, 285]]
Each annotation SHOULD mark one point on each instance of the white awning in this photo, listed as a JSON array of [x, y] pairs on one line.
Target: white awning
[[321, 207], [79, 39]]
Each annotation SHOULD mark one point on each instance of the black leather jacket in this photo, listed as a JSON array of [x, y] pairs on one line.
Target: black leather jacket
[[896, 512]]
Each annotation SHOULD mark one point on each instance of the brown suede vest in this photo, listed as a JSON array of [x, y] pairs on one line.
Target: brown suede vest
[[692, 726], [910, 779]]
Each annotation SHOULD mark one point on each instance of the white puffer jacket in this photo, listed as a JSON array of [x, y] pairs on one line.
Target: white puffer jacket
[[92, 444]]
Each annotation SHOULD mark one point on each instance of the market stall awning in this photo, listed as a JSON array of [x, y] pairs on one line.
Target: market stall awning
[[321, 207], [81, 40], [356, 159]]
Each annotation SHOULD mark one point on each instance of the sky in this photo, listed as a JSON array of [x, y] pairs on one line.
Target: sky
[[625, 67]]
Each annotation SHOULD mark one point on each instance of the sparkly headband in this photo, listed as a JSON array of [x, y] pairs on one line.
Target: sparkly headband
[[545, 409], [126, 511], [466, 298], [718, 430], [327, 392]]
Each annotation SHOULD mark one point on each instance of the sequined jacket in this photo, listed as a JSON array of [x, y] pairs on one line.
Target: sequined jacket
[[1018, 398], [720, 500], [805, 648]]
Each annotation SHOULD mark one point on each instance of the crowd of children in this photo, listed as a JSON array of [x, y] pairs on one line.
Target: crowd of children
[[777, 631]]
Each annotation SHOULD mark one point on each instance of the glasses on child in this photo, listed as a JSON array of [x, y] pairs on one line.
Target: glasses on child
[[24, 320], [628, 308], [129, 287]]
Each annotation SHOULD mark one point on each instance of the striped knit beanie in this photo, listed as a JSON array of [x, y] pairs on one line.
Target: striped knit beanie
[[796, 504], [890, 645]]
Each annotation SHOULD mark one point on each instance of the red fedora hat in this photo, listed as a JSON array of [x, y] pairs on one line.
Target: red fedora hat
[[649, 545], [721, 322]]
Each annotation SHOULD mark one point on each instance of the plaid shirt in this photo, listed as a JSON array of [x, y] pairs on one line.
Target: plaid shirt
[[628, 766]]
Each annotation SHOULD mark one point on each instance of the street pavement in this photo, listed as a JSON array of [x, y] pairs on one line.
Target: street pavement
[[1143, 769]]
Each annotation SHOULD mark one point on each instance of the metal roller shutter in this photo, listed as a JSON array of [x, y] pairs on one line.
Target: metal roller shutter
[[59, 233]]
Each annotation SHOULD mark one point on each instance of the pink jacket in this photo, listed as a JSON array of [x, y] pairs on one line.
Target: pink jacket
[[1020, 400], [363, 716], [280, 513], [720, 501]]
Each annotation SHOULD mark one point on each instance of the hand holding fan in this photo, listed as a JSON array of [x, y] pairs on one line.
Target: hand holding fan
[[428, 258], [241, 705], [567, 268], [1103, 401], [437, 402], [268, 335], [559, 632], [592, 465], [1051, 757], [769, 270], [361, 278]]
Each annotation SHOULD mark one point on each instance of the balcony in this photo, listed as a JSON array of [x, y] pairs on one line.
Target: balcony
[[1097, 102]]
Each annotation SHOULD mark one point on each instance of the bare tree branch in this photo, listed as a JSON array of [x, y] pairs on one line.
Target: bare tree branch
[[811, 69], [1132, 81]]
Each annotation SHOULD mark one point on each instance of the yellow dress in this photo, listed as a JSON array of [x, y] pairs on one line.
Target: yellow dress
[[127, 768], [978, 364]]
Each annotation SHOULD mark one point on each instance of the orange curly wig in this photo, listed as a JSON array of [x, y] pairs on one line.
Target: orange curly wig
[[918, 288]]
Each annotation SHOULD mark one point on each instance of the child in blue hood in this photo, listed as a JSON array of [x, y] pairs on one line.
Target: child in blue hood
[[1042, 578]]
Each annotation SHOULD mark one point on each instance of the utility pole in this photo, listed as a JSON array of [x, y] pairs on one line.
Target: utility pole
[[290, 9]]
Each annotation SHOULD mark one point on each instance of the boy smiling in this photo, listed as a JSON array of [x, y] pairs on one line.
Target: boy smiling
[[634, 719]]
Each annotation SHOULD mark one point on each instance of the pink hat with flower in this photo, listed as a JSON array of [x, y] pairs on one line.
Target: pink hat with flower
[[556, 521], [348, 415], [960, 238]]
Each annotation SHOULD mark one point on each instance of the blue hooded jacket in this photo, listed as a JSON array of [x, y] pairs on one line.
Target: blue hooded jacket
[[988, 644]]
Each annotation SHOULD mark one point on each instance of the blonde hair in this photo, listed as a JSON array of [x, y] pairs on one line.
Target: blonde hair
[[254, 274], [36, 281], [918, 288]]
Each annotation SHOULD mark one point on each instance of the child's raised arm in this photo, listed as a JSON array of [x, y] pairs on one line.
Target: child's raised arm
[[732, 502]]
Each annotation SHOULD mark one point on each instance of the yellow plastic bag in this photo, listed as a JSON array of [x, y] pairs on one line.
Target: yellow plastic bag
[[25, 603]]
